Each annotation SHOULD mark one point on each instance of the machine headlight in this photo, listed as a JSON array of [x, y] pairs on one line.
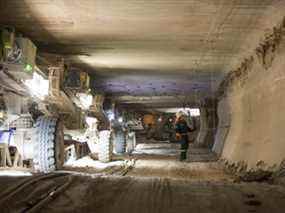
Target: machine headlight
[[38, 86]]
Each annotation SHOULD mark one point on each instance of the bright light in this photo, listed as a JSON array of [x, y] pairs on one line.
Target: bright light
[[1, 114], [111, 115], [91, 120], [193, 111], [85, 100], [28, 68], [120, 119], [38, 86]]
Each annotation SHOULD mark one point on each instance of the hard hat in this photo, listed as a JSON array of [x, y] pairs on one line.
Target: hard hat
[[180, 114]]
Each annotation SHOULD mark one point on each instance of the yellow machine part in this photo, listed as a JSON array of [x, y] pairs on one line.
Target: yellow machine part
[[149, 119]]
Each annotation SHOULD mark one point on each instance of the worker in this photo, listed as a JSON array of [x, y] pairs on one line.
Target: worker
[[181, 129]]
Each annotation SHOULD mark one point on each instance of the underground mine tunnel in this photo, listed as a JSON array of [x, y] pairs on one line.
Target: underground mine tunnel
[[142, 106]]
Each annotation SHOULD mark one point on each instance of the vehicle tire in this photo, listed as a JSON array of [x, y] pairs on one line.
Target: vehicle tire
[[48, 144], [105, 146], [131, 142], [120, 142]]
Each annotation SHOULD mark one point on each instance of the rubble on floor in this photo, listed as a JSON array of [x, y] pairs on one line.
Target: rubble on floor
[[119, 166], [87, 161], [260, 173]]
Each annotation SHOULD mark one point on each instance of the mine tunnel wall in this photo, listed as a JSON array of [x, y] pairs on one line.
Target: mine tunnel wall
[[251, 114], [208, 124]]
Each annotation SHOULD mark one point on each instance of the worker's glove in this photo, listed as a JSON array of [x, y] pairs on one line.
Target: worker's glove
[[178, 136]]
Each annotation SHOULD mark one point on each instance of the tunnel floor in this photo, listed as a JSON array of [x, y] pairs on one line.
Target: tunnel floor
[[161, 160], [156, 182], [75, 193]]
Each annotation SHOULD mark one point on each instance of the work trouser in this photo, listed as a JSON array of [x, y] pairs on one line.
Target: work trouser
[[184, 147]]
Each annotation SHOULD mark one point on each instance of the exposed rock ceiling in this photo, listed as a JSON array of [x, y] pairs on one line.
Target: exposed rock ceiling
[[143, 47]]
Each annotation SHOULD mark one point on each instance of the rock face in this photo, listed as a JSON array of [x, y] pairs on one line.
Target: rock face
[[251, 127]]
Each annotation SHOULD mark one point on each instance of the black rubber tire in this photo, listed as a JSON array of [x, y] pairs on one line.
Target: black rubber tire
[[48, 144], [131, 142], [105, 147], [120, 142]]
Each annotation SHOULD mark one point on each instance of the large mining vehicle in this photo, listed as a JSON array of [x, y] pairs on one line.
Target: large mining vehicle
[[40, 107]]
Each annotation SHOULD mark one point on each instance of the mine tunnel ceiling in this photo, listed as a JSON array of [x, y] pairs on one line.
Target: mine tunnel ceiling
[[146, 48]]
